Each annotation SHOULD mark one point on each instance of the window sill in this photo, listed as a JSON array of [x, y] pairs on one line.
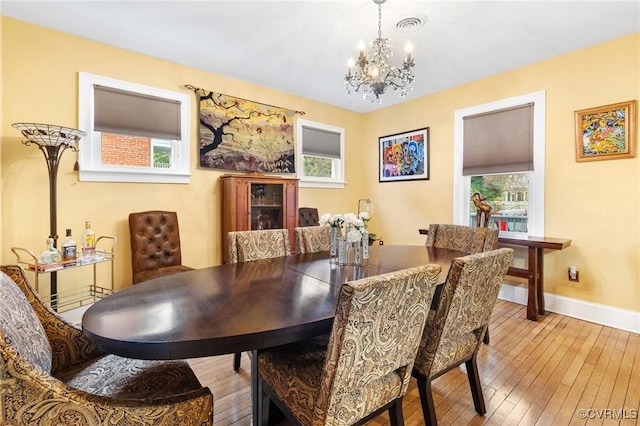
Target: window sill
[[133, 177], [321, 184]]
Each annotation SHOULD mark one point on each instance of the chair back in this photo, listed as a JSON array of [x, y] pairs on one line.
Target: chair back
[[308, 216], [468, 239], [155, 241], [22, 336], [245, 246], [311, 239], [373, 342], [470, 292]]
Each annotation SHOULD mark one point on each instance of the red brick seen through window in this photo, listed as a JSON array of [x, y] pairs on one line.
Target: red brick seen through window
[[124, 150]]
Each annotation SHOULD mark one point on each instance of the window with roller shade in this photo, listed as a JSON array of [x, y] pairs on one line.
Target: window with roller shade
[[499, 153], [320, 154], [135, 133]]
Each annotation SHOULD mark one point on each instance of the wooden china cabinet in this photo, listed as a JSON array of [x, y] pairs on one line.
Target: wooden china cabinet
[[255, 201]]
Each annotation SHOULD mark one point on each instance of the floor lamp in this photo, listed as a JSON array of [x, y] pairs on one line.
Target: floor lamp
[[53, 141]]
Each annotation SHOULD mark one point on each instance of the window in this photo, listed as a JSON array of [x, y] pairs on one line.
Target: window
[[135, 133], [499, 152], [320, 155]]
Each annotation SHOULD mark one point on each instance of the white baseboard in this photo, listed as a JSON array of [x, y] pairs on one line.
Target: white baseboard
[[622, 319]]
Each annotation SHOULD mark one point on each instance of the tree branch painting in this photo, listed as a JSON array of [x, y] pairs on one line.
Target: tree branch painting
[[241, 135]]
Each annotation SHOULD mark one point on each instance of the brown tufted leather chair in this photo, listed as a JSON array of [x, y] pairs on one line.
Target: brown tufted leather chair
[[155, 245], [308, 216]]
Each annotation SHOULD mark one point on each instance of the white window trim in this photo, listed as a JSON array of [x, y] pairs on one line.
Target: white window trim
[[315, 182], [89, 152], [462, 184]]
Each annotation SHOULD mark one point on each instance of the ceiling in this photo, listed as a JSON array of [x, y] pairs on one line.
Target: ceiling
[[302, 47]]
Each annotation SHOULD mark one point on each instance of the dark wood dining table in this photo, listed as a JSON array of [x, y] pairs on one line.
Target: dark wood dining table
[[238, 307]]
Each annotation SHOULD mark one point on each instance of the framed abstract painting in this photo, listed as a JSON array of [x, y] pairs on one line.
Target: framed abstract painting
[[404, 156], [606, 132]]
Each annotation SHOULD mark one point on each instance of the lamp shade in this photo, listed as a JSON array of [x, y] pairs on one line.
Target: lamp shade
[[50, 135]]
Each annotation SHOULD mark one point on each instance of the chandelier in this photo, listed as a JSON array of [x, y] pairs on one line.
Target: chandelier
[[374, 72]]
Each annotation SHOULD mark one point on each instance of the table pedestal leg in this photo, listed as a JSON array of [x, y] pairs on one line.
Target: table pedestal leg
[[256, 392]]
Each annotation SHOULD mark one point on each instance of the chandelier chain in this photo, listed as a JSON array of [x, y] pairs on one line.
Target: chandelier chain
[[379, 20]]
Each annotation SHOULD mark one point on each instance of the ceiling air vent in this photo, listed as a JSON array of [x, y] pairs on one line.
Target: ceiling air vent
[[411, 23]]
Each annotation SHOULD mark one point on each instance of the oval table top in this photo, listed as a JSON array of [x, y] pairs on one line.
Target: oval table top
[[238, 307]]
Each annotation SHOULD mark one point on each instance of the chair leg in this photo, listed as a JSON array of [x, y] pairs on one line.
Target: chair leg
[[474, 383], [236, 361], [485, 339], [395, 413], [426, 400]]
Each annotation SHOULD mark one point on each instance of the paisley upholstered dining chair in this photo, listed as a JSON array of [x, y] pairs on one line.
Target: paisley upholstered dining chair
[[453, 333], [50, 373], [245, 246], [311, 239], [363, 367], [468, 239], [260, 244]]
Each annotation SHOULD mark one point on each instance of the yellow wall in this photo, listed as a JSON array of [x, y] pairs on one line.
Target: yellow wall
[[40, 78], [596, 204]]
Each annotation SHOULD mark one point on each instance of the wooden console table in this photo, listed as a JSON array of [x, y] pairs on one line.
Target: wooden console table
[[534, 273]]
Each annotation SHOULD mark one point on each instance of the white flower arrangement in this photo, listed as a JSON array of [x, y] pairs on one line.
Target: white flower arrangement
[[336, 220], [348, 220], [364, 216], [324, 219], [355, 234]]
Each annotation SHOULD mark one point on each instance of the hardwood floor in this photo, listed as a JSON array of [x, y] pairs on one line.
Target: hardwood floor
[[557, 371]]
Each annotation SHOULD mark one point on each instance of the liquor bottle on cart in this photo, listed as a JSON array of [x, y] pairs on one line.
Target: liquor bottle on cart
[[49, 256], [88, 240], [69, 249]]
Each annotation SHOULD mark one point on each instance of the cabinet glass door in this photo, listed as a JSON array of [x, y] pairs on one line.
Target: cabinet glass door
[[266, 206]]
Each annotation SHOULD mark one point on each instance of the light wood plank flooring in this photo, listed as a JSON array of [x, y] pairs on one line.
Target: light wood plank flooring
[[532, 373]]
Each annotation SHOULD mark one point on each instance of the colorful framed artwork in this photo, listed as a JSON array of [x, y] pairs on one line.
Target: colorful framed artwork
[[606, 132], [404, 156]]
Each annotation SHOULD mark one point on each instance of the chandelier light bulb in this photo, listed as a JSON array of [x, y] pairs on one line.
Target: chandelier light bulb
[[409, 49], [373, 73]]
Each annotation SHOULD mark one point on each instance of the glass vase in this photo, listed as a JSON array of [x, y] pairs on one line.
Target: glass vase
[[365, 248], [333, 247], [341, 246], [357, 252]]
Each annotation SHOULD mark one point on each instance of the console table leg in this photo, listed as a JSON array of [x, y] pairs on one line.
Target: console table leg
[[532, 303], [540, 279]]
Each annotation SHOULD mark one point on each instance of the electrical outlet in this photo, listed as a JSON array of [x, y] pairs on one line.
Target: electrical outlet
[[573, 273]]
